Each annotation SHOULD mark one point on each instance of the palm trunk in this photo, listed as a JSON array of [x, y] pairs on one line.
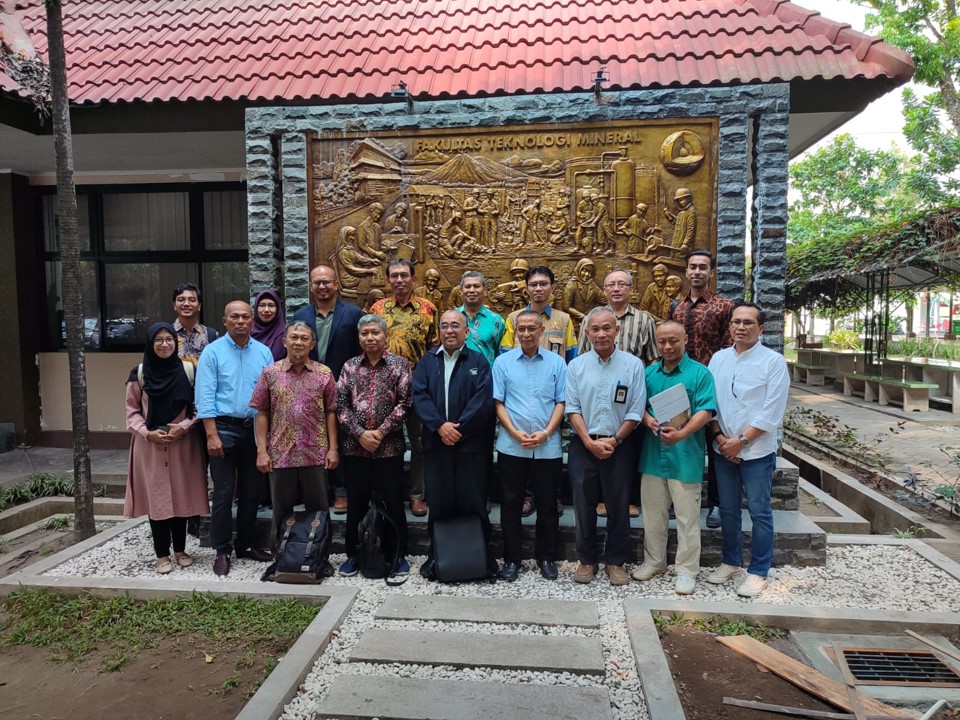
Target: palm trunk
[[70, 258]]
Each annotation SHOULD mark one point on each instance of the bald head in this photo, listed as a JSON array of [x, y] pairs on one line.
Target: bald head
[[238, 319], [671, 342]]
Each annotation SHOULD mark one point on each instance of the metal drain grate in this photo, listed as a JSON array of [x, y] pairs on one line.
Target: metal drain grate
[[890, 666]]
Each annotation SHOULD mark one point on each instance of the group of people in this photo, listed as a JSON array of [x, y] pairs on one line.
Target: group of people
[[331, 393]]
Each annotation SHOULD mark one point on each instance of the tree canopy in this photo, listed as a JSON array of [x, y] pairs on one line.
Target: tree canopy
[[930, 31]]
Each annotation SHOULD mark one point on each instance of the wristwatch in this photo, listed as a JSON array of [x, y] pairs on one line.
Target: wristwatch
[[744, 440], [618, 440]]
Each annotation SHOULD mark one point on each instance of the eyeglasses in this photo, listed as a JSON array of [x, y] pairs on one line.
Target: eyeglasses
[[164, 341], [539, 284], [399, 276], [527, 329], [620, 284], [744, 323], [450, 326], [321, 283]]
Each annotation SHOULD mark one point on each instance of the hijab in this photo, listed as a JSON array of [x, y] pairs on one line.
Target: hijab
[[164, 381], [270, 334]]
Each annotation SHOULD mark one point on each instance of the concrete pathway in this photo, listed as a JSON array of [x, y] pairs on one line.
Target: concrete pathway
[[915, 448], [386, 696]]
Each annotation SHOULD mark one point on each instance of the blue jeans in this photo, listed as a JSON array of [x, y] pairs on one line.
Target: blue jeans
[[755, 478]]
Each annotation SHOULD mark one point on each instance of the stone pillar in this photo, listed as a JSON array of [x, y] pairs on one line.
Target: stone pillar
[[296, 235], [263, 210], [768, 238], [732, 205]]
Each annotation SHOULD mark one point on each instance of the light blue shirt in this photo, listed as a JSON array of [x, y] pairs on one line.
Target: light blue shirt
[[227, 375], [594, 387], [529, 388]]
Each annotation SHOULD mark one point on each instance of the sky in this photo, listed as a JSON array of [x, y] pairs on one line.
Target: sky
[[881, 123]]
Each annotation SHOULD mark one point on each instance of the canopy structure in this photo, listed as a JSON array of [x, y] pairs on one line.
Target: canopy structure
[[867, 269]]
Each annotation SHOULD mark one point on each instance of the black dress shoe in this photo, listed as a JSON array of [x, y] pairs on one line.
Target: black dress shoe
[[221, 566], [548, 569], [255, 554], [509, 571], [428, 571]]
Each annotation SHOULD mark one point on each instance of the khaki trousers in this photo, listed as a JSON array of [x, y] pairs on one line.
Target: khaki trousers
[[656, 493]]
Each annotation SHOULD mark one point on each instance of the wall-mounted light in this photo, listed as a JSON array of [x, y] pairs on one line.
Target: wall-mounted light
[[599, 79], [400, 92]]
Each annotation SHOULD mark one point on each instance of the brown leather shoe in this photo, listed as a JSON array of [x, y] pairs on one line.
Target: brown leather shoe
[[617, 574], [585, 573], [418, 507], [528, 508], [601, 510], [221, 566], [634, 511], [339, 505]]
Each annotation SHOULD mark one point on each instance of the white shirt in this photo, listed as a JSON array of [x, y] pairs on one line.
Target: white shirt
[[448, 363], [752, 389]]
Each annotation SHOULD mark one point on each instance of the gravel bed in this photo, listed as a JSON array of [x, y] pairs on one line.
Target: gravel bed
[[860, 576]]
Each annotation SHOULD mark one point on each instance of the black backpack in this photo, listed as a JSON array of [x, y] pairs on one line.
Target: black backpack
[[378, 546], [304, 549]]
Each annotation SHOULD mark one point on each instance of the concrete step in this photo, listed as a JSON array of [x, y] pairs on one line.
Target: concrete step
[[490, 610], [352, 697], [527, 652]]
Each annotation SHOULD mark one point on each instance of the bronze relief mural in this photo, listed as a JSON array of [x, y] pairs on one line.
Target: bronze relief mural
[[582, 199]]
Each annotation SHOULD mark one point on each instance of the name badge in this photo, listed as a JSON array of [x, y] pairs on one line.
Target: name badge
[[620, 395]]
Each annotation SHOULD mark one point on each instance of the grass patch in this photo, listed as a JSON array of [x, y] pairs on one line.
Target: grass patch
[[719, 625], [119, 628], [57, 523]]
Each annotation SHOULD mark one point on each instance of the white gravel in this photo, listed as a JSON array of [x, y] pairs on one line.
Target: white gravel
[[856, 576]]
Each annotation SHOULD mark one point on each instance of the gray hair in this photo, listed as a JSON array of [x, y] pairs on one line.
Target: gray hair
[[599, 310], [299, 325], [473, 274], [371, 319], [619, 270], [463, 318]]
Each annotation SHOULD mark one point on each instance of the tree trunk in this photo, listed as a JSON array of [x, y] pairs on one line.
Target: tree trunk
[[70, 272]]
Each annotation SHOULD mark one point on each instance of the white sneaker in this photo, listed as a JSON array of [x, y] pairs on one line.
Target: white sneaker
[[685, 585], [723, 573], [752, 586], [646, 572]]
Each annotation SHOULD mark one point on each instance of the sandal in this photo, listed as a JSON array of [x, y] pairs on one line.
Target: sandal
[[164, 566], [183, 559]]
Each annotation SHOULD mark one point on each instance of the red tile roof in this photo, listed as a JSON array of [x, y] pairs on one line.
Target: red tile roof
[[276, 50]]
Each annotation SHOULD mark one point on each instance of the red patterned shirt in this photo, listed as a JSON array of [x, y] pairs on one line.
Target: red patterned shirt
[[707, 322], [374, 397], [297, 402], [411, 328]]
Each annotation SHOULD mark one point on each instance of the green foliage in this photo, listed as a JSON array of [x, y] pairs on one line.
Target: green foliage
[[844, 340], [719, 625], [914, 531], [827, 430], [71, 628], [930, 31], [57, 523], [929, 347], [817, 269], [38, 485]]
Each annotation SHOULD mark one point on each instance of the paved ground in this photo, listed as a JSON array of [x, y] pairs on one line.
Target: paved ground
[[914, 449]]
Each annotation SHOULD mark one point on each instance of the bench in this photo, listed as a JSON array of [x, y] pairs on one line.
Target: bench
[[807, 374], [910, 395]]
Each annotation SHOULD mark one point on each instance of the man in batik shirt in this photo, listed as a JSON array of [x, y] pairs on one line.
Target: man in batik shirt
[[373, 403], [296, 400]]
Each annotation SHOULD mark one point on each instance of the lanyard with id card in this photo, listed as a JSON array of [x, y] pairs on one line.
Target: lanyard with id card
[[620, 394]]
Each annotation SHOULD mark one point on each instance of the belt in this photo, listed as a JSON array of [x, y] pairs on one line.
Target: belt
[[597, 437], [239, 422]]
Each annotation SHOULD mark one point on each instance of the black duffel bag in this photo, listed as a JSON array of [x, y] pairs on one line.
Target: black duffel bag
[[459, 549]]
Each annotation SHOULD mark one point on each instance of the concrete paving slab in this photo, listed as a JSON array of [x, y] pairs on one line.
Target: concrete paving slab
[[515, 652], [490, 610], [352, 697], [20, 463]]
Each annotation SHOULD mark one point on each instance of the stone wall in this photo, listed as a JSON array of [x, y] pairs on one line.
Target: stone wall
[[277, 168]]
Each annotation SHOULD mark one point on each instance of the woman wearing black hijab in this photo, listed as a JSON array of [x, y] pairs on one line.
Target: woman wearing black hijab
[[166, 479]]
